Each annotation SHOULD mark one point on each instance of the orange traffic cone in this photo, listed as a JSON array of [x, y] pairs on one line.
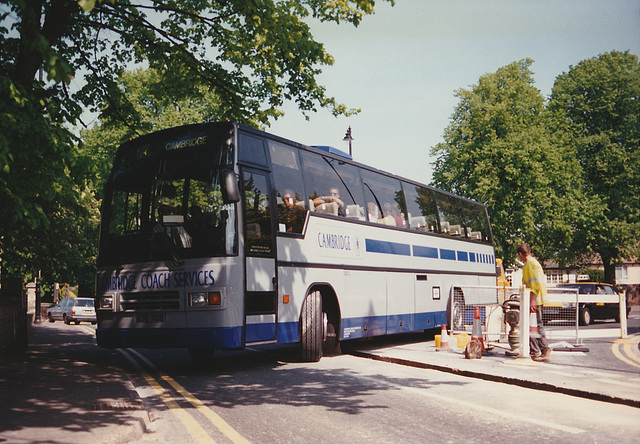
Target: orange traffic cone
[[476, 333], [444, 337]]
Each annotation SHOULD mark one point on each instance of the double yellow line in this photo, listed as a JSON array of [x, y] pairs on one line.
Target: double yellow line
[[627, 351], [195, 429]]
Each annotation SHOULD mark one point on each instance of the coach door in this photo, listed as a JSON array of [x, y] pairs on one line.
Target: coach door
[[261, 282]]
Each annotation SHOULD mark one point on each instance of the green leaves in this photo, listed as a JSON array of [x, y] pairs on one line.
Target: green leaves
[[498, 150], [237, 59], [597, 103], [564, 177]]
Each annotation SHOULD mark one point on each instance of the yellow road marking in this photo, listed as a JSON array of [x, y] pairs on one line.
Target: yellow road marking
[[629, 356], [630, 353], [194, 429], [213, 417]]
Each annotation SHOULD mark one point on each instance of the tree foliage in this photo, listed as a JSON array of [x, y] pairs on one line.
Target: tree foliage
[[498, 150], [254, 54], [157, 102], [251, 55], [47, 216], [596, 106]]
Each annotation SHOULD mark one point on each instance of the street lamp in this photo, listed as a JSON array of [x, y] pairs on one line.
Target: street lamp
[[348, 138]]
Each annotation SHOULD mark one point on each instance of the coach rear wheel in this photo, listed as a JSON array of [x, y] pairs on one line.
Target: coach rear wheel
[[455, 311], [312, 327]]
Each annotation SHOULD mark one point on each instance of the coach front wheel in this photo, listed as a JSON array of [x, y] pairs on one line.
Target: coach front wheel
[[312, 327]]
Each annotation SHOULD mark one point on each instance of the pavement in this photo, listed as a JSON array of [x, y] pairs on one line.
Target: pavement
[[65, 389], [585, 370]]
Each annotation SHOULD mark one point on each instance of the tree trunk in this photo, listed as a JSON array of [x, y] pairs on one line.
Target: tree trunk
[[30, 55], [38, 33], [609, 268]]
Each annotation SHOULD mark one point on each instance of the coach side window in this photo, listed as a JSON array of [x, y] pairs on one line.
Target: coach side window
[[251, 149], [422, 212], [333, 187], [475, 221], [289, 187], [349, 177], [450, 212], [385, 199], [257, 206]]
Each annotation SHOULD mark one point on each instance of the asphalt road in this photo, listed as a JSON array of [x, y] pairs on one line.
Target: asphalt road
[[65, 389], [269, 397]]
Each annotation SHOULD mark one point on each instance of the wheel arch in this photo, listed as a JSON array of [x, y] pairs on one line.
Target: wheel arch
[[330, 323], [455, 317], [330, 303]]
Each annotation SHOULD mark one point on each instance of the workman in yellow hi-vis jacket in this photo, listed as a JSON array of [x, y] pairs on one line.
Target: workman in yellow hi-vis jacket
[[534, 279]]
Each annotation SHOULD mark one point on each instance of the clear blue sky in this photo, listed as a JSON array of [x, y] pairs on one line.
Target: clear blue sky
[[402, 66]]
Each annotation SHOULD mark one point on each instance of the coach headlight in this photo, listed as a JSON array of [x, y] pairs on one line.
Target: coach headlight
[[197, 299], [204, 299], [106, 302]]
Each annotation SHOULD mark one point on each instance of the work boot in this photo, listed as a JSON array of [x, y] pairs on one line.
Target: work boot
[[545, 356]]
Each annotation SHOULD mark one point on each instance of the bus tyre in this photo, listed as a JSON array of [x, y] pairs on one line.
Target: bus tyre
[[455, 311], [311, 326]]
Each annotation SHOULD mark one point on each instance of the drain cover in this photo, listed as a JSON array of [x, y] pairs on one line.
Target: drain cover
[[117, 404]]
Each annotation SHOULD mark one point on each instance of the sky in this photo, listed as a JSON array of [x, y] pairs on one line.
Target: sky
[[403, 65]]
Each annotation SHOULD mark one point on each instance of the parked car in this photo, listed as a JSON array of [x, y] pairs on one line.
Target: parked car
[[73, 310], [588, 311]]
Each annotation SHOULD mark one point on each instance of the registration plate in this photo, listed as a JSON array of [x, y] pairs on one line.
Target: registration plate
[[150, 318]]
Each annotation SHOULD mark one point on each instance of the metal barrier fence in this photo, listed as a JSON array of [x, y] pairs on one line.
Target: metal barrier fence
[[465, 298], [560, 315], [561, 312]]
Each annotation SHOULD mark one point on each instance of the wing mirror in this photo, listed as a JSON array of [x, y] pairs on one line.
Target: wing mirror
[[230, 191]]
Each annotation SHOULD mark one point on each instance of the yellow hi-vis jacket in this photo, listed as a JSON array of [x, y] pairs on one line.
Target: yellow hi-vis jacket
[[534, 279]]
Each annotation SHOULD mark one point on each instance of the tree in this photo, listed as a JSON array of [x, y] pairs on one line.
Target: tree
[[252, 55], [158, 101], [498, 150], [43, 193], [596, 105]]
